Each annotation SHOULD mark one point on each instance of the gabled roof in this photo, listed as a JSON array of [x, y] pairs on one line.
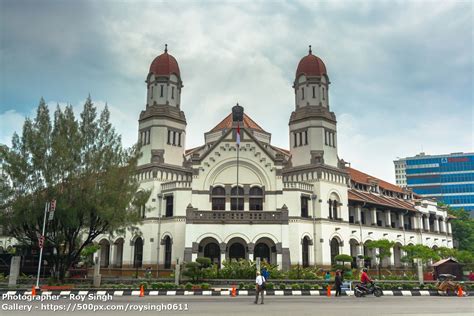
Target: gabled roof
[[361, 177], [443, 261], [226, 123], [361, 196]]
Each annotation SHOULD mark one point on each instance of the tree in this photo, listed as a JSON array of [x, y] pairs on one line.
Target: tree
[[343, 258], [419, 252], [462, 228], [81, 164], [384, 246]]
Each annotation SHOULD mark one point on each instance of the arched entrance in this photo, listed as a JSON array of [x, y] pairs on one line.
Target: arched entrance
[[305, 251], [237, 249], [209, 248], [104, 253], [334, 249], [354, 252], [167, 252], [397, 255], [118, 252], [138, 253], [265, 249]]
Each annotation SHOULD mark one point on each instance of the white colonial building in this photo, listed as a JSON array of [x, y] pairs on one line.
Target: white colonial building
[[302, 206]]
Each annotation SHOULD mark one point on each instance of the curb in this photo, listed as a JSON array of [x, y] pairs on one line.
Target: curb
[[5, 293]]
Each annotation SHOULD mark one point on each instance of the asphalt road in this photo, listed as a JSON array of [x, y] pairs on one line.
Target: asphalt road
[[242, 306]]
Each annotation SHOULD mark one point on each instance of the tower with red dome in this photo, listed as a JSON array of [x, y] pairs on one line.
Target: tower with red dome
[[162, 125], [312, 125]]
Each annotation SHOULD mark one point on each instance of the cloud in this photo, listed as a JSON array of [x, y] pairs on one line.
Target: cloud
[[401, 72]]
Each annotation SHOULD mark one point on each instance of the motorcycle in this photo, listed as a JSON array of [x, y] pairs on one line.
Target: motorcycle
[[360, 290]]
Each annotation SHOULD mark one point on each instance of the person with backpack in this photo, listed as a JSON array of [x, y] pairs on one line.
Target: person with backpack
[[259, 286], [265, 274]]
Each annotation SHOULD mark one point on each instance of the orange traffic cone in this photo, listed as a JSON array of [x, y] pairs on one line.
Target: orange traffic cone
[[142, 291], [33, 291], [234, 291], [329, 291], [460, 292]]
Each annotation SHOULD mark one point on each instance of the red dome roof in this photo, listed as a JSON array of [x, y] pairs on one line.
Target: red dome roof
[[165, 65], [311, 65]]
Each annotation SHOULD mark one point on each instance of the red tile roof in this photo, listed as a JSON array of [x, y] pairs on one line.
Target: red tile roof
[[165, 65], [360, 177], [355, 195], [311, 65], [226, 123]]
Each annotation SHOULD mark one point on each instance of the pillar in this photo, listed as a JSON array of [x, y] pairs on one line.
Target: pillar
[[401, 221], [442, 225], [426, 223], [415, 221], [357, 214], [223, 247], [112, 255], [388, 218], [449, 227], [250, 247], [373, 216], [436, 225]]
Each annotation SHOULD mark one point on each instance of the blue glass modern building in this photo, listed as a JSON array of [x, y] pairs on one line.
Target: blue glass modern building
[[448, 178]]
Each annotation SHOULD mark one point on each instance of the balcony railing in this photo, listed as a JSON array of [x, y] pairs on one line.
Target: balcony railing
[[298, 186], [236, 217], [175, 185]]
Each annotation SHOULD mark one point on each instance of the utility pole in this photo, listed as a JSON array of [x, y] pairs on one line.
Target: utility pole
[[41, 240]]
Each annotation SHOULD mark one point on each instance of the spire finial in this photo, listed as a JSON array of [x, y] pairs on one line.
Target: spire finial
[[166, 48], [310, 51]]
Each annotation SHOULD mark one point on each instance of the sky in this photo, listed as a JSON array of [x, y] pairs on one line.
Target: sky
[[401, 72]]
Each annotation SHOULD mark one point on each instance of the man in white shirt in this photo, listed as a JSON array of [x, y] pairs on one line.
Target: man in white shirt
[[259, 286]]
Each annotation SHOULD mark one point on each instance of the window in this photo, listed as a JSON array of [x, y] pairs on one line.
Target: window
[[304, 206], [302, 93], [179, 139], [138, 253], [314, 92], [151, 94], [326, 137], [161, 91], [167, 252], [169, 206], [169, 137], [296, 139], [172, 92], [306, 137], [237, 199], [323, 95], [218, 199], [256, 199], [301, 138], [174, 138]]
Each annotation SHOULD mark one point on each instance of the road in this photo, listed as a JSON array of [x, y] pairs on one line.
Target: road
[[242, 306]]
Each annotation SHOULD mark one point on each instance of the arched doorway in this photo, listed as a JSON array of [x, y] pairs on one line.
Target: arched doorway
[[236, 251], [354, 244], [305, 251], [334, 249], [397, 255], [104, 253], [138, 253], [368, 256], [262, 251], [118, 252], [167, 252], [209, 248]]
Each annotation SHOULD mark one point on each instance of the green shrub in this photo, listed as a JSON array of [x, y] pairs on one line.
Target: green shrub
[[205, 286], [241, 286], [270, 286], [306, 286], [282, 286], [295, 286], [250, 286], [169, 286], [188, 286], [316, 287], [144, 284]]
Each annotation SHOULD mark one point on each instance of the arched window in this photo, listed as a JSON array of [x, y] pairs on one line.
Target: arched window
[[118, 253], [335, 204], [218, 199], [213, 252], [138, 255], [334, 250], [104, 253], [237, 199], [167, 252], [256, 199], [305, 250], [237, 251]]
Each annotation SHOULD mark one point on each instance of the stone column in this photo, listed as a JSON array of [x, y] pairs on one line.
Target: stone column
[[415, 221], [388, 218], [223, 247], [112, 255], [436, 225], [195, 251], [279, 255], [14, 271], [373, 216], [401, 221], [442, 225], [357, 214], [250, 247], [426, 222], [449, 228]]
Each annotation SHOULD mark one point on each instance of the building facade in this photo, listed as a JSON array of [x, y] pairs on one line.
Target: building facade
[[447, 178], [302, 205]]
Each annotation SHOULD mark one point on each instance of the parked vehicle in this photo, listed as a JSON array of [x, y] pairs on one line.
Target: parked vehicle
[[371, 288], [448, 286]]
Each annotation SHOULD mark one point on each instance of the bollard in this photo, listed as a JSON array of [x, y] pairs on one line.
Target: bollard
[[33, 291], [234, 291], [142, 291], [329, 291], [460, 292]]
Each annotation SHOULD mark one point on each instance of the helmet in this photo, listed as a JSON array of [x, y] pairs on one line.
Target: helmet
[[364, 269]]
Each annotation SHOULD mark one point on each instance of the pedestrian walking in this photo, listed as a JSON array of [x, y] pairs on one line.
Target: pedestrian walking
[[338, 282], [259, 286]]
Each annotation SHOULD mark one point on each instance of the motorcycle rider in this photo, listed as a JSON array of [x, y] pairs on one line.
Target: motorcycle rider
[[365, 279]]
